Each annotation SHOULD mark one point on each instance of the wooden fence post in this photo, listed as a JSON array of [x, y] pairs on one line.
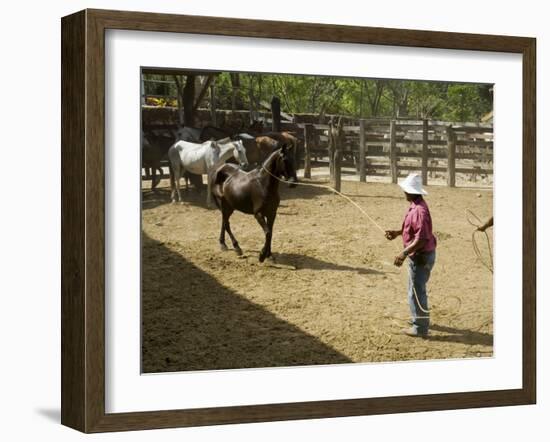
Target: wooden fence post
[[425, 152], [393, 153], [331, 148], [308, 129], [451, 151], [362, 152], [179, 87], [338, 162]]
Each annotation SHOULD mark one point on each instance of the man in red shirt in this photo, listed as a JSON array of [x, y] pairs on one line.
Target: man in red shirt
[[419, 246]]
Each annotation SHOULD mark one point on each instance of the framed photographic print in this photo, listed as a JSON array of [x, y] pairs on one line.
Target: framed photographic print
[[268, 221]]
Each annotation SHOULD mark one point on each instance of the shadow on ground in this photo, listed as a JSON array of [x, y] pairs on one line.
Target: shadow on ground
[[462, 336], [161, 195], [192, 322], [307, 262]]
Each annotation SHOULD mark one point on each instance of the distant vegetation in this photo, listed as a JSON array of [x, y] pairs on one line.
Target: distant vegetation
[[333, 95]]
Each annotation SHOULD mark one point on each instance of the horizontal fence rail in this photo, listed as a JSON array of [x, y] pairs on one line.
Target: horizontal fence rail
[[388, 147], [371, 147]]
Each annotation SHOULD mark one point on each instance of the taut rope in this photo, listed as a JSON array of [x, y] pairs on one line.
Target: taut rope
[[332, 189], [363, 211]]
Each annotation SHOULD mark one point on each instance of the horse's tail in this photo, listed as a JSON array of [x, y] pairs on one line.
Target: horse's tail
[[218, 176], [217, 179], [216, 198]]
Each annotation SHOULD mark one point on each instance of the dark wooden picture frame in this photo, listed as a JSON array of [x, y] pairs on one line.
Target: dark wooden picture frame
[[83, 220]]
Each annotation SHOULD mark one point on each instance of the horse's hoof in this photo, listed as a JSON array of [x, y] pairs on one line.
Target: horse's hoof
[[238, 251], [223, 248], [262, 257]]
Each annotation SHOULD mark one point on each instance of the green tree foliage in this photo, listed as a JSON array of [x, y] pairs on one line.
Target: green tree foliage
[[353, 97], [466, 102]]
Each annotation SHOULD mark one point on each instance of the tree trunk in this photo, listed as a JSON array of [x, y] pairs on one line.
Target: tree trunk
[[204, 90], [188, 99], [276, 114], [179, 87], [213, 103], [252, 102], [236, 101]]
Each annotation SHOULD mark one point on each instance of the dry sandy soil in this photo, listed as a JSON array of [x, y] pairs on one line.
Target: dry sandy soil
[[332, 295]]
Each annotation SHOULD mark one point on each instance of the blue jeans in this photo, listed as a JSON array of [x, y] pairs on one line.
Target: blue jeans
[[420, 267]]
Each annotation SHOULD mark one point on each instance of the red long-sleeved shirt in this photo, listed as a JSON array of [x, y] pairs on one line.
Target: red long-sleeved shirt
[[418, 225]]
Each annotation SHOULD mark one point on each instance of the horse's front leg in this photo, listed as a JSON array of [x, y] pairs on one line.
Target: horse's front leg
[[270, 222], [267, 245], [223, 246]]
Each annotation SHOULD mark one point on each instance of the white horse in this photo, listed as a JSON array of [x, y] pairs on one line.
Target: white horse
[[201, 159]]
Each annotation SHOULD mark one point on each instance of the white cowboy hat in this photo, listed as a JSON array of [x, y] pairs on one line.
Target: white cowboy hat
[[413, 185]]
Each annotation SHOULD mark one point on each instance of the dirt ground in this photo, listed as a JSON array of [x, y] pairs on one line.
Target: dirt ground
[[331, 296]]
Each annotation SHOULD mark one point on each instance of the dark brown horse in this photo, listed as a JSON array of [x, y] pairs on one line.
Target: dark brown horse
[[255, 192]]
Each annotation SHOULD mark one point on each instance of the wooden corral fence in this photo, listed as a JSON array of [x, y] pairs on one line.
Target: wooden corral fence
[[382, 147], [370, 147]]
